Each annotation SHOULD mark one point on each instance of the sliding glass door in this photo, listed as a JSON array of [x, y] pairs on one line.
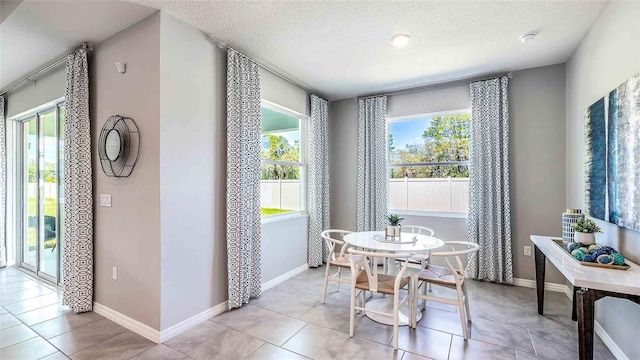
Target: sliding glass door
[[41, 160]]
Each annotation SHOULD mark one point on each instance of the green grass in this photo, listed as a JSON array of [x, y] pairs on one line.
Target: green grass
[[50, 210], [269, 211], [49, 206]]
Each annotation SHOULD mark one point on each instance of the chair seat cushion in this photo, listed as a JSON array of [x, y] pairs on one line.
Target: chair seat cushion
[[385, 282], [343, 261], [437, 275]]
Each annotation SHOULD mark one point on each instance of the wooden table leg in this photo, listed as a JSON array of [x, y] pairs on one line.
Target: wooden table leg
[[574, 315], [586, 306], [540, 268]]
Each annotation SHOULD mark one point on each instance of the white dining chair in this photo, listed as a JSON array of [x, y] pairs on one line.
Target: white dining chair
[[418, 259], [365, 277], [340, 260], [450, 276]]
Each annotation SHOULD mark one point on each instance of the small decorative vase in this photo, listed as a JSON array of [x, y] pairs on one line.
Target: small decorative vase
[[393, 232], [585, 238]]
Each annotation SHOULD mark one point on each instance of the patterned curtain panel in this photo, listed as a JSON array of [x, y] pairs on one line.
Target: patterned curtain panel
[[318, 180], [372, 164], [3, 186], [78, 193], [489, 208], [243, 179]]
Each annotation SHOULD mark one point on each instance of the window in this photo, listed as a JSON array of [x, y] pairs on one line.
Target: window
[[429, 163], [283, 185], [39, 191]]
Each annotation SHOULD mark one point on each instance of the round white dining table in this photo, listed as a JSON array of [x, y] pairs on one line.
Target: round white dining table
[[409, 243]]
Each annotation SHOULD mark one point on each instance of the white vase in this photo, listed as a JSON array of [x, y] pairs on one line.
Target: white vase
[[393, 231], [585, 238]]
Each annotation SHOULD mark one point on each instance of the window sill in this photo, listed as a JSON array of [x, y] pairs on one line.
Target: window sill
[[282, 217], [443, 214]]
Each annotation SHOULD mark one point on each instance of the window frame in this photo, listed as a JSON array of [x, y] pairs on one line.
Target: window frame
[[302, 163], [445, 214]]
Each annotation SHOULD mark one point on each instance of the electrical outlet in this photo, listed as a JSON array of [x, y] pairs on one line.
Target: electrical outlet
[[105, 200], [527, 251], [114, 273]]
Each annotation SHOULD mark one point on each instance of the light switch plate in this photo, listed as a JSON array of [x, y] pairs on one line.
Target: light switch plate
[[105, 200], [527, 251], [114, 273]]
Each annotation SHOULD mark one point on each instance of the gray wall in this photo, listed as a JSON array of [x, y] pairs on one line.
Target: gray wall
[[46, 89], [192, 168], [537, 164], [284, 246], [127, 235], [536, 108], [607, 56]]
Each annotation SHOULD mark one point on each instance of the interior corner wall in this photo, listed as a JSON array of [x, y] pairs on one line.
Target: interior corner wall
[[127, 235], [192, 172], [537, 103], [45, 89], [536, 162], [607, 56]]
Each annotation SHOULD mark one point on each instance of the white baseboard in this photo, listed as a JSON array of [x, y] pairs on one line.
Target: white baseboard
[[193, 321], [547, 286], [129, 323], [607, 340], [284, 277], [153, 334]]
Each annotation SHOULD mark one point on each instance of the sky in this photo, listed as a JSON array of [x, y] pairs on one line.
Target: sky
[[408, 132]]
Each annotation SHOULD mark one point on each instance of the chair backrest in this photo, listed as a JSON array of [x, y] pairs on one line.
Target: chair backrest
[[364, 260], [458, 248], [415, 229], [333, 237]]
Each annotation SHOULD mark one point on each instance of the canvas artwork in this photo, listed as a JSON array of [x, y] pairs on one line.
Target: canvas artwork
[[624, 154], [596, 160]]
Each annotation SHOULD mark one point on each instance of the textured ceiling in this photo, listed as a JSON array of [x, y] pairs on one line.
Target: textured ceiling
[[342, 48], [33, 33]]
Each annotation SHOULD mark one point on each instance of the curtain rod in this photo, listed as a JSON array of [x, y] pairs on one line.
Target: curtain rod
[[223, 45], [436, 85], [41, 71]]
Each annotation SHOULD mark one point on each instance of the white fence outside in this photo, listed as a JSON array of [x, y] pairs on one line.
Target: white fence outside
[[422, 194], [280, 194], [429, 194]]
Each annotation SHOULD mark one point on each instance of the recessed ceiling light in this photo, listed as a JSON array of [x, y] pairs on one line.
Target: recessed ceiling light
[[527, 37], [400, 40]]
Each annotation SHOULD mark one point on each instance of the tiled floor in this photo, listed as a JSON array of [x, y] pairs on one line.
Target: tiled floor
[[289, 322]]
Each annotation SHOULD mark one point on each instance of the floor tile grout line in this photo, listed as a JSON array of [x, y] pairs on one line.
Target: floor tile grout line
[[69, 355]]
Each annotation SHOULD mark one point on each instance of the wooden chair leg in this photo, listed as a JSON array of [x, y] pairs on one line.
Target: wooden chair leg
[[352, 311], [340, 276], [326, 282], [461, 309], [424, 293], [395, 320], [466, 302]]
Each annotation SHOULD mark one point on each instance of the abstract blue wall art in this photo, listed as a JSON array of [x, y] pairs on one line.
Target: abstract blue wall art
[[624, 154], [596, 160]]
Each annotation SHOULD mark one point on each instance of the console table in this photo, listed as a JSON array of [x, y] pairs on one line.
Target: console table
[[589, 285]]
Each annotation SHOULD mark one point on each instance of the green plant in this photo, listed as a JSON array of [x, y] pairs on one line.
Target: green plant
[[394, 220], [586, 226]]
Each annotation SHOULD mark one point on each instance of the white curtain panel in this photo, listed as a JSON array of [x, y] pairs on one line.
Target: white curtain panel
[[3, 186], [318, 180], [489, 207], [372, 164], [243, 178], [78, 191]]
